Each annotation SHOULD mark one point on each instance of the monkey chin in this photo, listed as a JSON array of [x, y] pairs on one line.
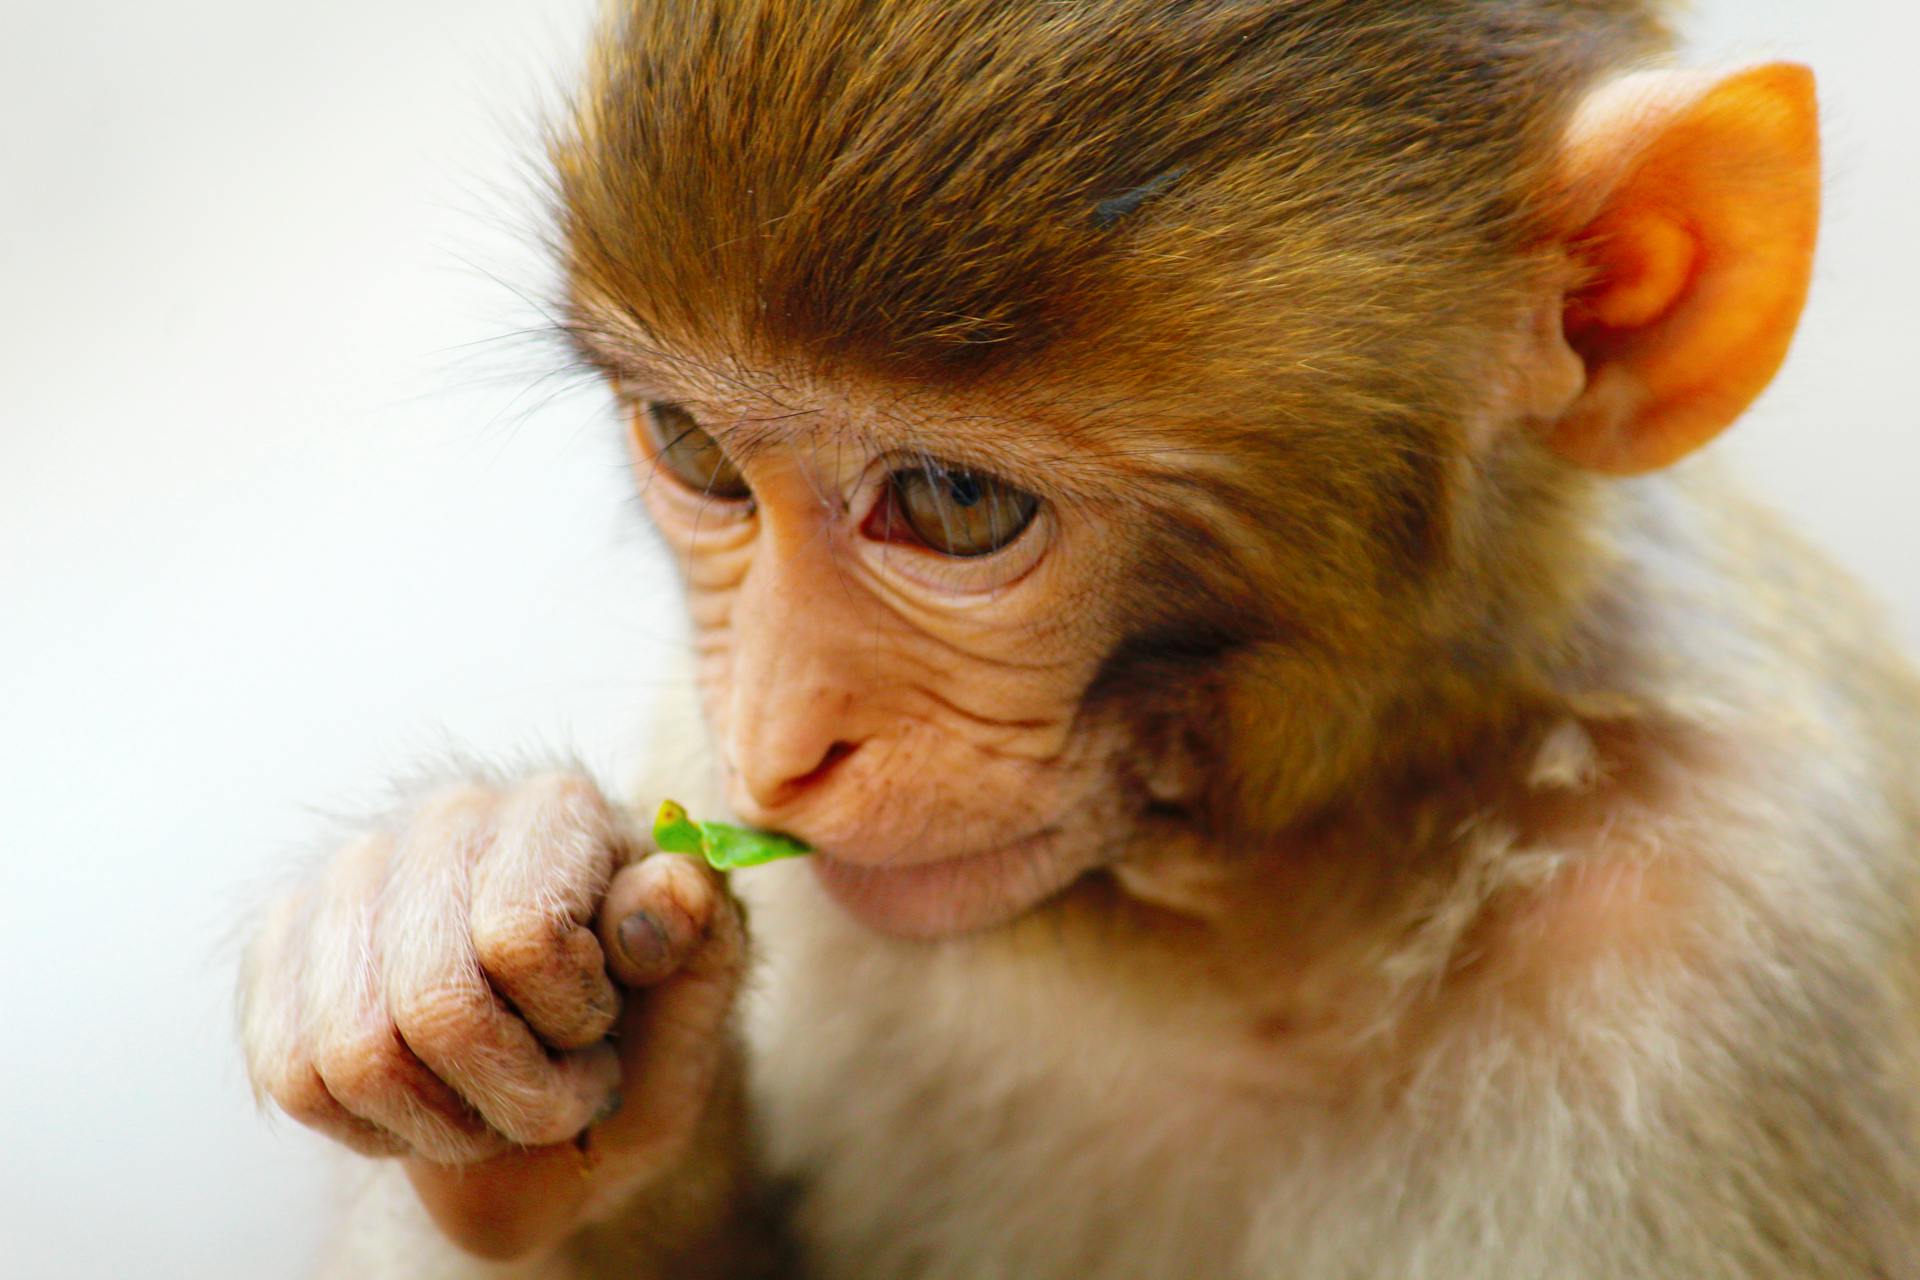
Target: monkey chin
[[928, 901]]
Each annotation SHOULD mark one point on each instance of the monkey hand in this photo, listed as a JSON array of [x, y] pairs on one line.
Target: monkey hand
[[503, 993]]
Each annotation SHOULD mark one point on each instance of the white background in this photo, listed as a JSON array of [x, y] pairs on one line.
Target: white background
[[284, 507]]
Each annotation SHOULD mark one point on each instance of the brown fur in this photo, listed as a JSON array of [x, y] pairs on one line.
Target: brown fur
[[910, 190], [906, 194], [1539, 894]]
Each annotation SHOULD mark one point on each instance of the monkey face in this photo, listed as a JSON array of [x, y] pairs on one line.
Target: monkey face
[[1016, 471], [895, 640]]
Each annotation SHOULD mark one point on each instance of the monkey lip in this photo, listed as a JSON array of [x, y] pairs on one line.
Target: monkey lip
[[949, 896]]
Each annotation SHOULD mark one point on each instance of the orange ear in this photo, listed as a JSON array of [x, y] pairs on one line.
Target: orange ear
[[1693, 203]]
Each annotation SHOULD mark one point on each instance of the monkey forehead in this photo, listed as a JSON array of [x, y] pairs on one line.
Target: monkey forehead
[[1061, 436], [945, 192]]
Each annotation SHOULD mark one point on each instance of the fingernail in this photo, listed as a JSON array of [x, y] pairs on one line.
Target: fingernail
[[645, 941]]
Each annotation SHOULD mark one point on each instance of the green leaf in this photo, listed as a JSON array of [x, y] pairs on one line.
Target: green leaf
[[725, 847]]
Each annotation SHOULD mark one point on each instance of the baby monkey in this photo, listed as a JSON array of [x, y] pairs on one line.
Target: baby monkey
[[1175, 505]]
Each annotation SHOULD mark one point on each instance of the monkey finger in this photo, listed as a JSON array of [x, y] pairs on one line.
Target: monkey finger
[[672, 1037], [673, 1034], [302, 1094], [448, 1015], [657, 913], [356, 1050], [279, 1061], [534, 892]]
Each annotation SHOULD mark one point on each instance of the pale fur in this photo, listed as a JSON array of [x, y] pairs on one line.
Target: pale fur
[[1734, 1107], [1721, 1110], [990, 1111]]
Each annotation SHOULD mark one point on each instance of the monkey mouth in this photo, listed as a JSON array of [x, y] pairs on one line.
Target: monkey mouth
[[952, 896]]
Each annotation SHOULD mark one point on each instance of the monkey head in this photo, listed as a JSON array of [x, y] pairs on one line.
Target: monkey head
[[1084, 427]]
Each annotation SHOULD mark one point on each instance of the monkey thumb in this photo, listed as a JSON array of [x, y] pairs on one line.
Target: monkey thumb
[[650, 945], [657, 915]]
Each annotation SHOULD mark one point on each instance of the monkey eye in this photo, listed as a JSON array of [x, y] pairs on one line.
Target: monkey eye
[[956, 512], [693, 457]]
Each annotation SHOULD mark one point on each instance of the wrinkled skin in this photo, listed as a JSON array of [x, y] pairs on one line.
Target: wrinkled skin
[[840, 658]]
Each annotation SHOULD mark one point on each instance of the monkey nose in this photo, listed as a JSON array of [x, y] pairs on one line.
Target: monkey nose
[[774, 781]]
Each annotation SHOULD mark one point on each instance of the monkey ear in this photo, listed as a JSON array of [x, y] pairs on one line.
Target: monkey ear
[[1692, 203]]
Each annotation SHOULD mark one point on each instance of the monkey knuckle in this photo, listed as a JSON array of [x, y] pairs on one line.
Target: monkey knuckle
[[580, 964], [568, 999], [569, 830], [443, 1019], [522, 1101], [365, 1067], [546, 959], [516, 940], [303, 1095], [531, 944], [575, 950], [557, 977]]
